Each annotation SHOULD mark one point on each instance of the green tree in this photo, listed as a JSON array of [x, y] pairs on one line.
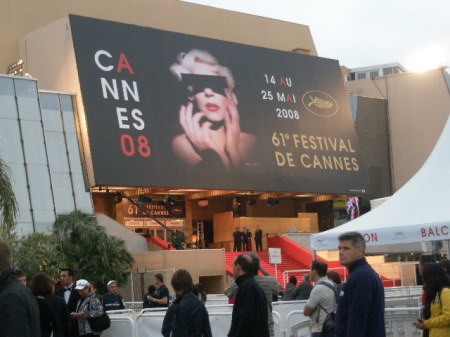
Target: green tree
[[8, 203], [38, 252], [89, 250]]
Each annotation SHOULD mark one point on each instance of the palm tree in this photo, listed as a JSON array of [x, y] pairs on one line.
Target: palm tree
[[88, 249], [8, 202]]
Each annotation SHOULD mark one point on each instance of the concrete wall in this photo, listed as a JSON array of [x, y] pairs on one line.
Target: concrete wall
[[418, 107], [207, 266], [21, 17]]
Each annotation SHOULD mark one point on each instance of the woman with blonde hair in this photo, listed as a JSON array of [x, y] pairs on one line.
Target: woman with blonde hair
[[210, 118]]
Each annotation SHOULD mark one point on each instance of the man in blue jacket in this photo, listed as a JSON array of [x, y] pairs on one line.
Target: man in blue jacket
[[360, 310]]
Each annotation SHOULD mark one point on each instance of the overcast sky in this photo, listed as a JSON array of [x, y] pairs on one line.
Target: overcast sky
[[415, 33]]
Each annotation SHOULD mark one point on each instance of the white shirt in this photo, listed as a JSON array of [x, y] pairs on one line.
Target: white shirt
[[67, 293]]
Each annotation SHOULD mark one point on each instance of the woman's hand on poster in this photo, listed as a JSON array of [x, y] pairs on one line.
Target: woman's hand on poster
[[199, 135], [233, 132]]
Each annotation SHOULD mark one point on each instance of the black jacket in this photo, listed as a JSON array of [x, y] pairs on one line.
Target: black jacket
[[19, 312], [62, 315], [49, 322], [113, 302], [360, 310], [73, 299], [72, 305], [249, 317], [237, 236], [187, 317]]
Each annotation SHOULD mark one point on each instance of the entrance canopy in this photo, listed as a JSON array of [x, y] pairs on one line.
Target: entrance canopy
[[419, 211]]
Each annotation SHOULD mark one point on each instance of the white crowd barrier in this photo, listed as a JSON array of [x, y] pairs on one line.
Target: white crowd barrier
[[403, 291], [399, 322], [400, 314], [122, 323], [283, 308]]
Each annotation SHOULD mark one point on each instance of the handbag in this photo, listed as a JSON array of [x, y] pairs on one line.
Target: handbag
[[99, 323]]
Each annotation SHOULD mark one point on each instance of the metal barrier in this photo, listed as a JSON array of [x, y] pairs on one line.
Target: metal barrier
[[390, 274], [399, 322], [288, 321], [307, 271], [135, 306]]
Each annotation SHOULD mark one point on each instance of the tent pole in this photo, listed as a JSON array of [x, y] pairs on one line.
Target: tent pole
[[315, 255]]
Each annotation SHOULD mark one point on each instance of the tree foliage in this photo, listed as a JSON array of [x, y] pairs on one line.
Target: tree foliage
[[77, 241], [8, 203], [38, 252], [89, 250]]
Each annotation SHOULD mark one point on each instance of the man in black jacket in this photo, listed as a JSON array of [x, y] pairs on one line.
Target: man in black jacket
[[249, 317], [70, 295], [258, 239], [360, 310], [19, 312], [237, 237]]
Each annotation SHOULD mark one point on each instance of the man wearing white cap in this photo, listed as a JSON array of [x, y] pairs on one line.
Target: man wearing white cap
[[112, 300]]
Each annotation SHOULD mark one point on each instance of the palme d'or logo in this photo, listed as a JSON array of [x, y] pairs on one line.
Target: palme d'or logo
[[320, 103]]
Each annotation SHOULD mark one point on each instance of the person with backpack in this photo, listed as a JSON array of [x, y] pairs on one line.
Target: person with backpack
[[321, 303]]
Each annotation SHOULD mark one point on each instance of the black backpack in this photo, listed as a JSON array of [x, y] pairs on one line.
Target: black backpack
[[328, 324]]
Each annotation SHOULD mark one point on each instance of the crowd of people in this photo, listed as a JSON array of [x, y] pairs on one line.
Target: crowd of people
[[37, 310], [355, 308]]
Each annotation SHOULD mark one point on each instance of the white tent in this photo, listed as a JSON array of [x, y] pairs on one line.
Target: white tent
[[419, 211]]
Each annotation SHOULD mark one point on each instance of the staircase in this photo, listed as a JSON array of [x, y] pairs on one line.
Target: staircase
[[288, 263]]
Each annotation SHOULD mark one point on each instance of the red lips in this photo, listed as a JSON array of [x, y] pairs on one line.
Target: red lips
[[212, 107]]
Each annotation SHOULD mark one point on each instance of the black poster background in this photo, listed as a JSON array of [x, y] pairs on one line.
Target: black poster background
[[151, 52]]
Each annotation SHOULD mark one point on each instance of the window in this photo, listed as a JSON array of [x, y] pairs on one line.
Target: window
[[388, 71], [361, 76], [374, 74]]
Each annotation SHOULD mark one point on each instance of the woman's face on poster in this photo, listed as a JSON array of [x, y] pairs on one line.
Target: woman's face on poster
[[212, 104], [209, 92]]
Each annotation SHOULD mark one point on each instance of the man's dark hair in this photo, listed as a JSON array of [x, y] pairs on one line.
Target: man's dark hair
[[334, 276], [246, 263], [255, 262], [427, 258], [293, 280], [70, 271], [41, 285], [356, 238], [446, 265], [434, 279], [182, 280], [19, 273], [320, 267], [5, 256], [151, 289], [159, 277]]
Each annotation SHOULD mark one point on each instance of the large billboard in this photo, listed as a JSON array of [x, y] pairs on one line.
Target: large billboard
[[174, 110]]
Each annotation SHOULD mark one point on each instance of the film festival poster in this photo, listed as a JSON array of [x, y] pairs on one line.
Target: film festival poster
[[170, 109]]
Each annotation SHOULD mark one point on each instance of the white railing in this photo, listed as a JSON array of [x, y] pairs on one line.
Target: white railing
[[386, 270], [341, 270], [289, 321]]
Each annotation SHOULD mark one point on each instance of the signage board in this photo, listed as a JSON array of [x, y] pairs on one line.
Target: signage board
[[275, 255], [170, 109], [158, 209]]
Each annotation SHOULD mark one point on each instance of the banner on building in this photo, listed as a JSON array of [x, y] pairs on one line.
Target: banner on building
[[174, 110]]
